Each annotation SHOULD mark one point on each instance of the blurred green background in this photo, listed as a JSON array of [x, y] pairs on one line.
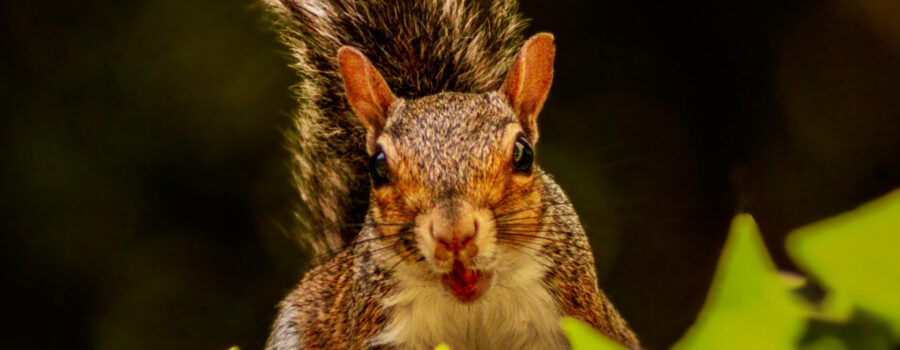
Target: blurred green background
[[145, 190]]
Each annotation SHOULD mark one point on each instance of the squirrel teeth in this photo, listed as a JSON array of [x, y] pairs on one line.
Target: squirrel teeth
[[465, 284]]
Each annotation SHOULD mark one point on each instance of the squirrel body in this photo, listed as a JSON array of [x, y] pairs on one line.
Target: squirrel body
[[464, 240], [518, 312]]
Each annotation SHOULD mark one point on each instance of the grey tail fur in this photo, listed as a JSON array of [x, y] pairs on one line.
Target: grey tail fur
[[421, 47]]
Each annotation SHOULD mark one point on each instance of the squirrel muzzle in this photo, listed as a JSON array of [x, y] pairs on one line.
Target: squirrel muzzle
[[456, 236]]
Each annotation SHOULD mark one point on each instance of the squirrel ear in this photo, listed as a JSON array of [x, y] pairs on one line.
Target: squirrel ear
[[367, 92], [529, 78]]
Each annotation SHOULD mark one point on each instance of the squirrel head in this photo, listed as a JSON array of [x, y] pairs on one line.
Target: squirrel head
[[455, 192]]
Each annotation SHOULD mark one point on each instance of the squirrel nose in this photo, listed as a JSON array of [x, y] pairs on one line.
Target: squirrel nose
[[457, 236], [454, 235]]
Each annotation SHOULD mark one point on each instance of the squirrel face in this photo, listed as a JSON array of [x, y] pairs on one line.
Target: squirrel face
[[454, 190], [456, 168]]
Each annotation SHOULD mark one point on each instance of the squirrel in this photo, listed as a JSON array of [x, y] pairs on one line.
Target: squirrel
[[413, 151]]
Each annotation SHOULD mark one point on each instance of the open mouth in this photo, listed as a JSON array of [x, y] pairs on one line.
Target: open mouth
[[465, 284]]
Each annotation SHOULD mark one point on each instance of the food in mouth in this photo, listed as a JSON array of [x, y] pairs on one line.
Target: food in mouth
[[466, 284]]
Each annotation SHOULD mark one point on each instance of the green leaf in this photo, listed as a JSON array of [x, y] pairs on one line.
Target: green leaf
[[748, 307], [584, 337], [856, 255]]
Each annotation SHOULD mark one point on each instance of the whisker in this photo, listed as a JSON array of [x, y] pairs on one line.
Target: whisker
[[409, 252], [539, 206], [367, 224], [512, 193], [526, 227], [535, 217], [531, 226], [522, 243], [527, 233], [328, 264], [515, 246], [358, 242], [516, 234]]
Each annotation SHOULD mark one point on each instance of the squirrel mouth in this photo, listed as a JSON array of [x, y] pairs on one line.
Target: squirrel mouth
[[466, 284]]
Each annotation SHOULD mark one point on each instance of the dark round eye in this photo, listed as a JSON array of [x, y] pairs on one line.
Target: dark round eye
[[378, 167], [523, 156]]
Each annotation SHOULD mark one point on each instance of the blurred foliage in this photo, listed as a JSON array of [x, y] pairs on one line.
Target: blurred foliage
[[749, 306], [856, 256], [583, 337]]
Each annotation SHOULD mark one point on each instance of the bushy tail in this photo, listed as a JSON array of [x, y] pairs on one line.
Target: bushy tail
[[421, 47]]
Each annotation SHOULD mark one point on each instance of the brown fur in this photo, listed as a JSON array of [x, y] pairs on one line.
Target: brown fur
[[337, 304], [441, 147]]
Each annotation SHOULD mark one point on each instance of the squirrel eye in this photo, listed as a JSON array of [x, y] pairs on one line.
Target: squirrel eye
[[378, 167], [523, 156]]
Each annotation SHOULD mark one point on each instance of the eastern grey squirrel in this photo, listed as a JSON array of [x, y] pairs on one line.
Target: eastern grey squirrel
[[417, 119]]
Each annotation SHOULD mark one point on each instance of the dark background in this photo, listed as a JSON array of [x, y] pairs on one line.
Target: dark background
[[145, 190]]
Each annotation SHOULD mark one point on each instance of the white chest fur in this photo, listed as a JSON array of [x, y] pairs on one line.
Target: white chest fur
[[516, 313]]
